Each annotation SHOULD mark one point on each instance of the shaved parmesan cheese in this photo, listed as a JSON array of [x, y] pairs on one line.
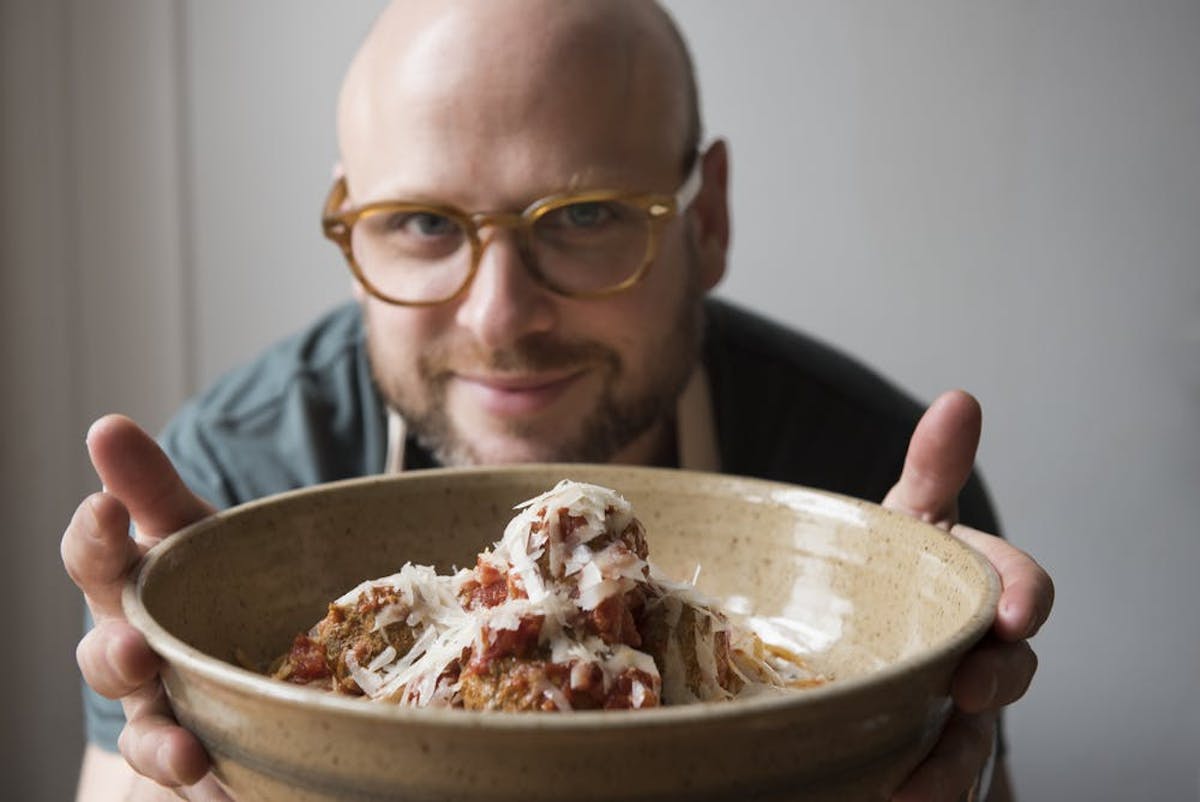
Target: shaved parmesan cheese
[[556, 696], [638, 696], [382, 659], [563, 555]]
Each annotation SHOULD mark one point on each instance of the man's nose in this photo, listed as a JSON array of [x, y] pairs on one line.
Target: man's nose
[[505, 301]]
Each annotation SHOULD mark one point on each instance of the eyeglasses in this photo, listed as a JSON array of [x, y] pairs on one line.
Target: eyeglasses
[[579, 245]]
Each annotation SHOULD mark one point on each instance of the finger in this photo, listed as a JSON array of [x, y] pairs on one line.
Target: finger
[[99, 554], [940, 456], [134, 469], [1027, 591], [115, 659], [158, 748], [993, 675], [155, 745], [954, 764]]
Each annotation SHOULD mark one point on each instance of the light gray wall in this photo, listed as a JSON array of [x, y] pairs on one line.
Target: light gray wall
[[1000, 196], [1006, 197], [92, 315]]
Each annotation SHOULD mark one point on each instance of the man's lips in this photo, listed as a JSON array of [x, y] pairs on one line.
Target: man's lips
[[510, 395]]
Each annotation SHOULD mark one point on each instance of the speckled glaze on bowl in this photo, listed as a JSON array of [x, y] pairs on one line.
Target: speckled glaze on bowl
[[889, 604]]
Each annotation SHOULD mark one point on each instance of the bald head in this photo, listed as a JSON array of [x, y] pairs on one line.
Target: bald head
[[553, 90]]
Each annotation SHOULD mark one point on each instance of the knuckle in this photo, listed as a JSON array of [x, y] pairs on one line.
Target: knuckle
[[1022, 678], [128, 744], [73, 560], [142, 745], [1031, 659], [65, 553], [111, 661], [91, 656], [1016, 673], [85, 657], [91, 555]]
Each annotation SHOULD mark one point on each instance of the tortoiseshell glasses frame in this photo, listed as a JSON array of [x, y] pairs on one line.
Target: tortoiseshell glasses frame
[[529, 226]]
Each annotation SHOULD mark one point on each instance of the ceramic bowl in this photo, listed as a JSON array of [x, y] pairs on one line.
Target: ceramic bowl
[[886, 605]]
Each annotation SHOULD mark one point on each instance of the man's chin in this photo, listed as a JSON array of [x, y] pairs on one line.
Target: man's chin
[[492, 449], [593, 436]]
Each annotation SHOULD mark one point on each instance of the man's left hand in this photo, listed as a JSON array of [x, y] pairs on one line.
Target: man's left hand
[[999, 669]]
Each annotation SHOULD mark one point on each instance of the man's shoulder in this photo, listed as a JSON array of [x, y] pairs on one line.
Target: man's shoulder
[[791, 407], [308, 362], [297, 414], [753, 348]]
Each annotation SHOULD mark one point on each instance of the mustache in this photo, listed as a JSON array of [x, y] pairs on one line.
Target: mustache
[[532, 354]]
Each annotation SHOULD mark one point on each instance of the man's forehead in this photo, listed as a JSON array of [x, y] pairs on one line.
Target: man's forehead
[[561, 100], [499, 174]]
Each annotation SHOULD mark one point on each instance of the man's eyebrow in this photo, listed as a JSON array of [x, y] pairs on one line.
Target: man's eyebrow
[[582, 180]]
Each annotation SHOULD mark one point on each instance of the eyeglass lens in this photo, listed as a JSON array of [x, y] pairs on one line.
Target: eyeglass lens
[[416, 254]]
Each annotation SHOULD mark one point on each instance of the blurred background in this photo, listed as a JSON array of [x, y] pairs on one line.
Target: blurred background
[[999, 196]]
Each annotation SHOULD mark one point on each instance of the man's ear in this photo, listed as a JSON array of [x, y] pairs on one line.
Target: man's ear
[[709, 223], [339, 174], [356, 287]]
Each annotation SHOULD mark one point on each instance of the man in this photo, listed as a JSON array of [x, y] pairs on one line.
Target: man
[[578, 330]]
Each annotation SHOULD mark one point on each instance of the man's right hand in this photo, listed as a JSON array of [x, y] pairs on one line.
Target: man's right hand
[[140, 485]]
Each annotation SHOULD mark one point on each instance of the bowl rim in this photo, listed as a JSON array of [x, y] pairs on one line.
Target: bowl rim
[[179, 655]]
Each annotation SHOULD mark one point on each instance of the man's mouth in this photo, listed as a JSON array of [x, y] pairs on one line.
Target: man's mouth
[[517, 395]]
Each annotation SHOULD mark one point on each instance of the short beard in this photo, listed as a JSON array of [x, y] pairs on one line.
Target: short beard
[[611, 425]]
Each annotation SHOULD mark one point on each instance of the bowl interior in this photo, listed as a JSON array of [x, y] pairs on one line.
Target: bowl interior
[[864, 588]]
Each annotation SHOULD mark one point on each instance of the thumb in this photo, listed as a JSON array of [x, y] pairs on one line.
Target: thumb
[[138, 473], [940, 456]]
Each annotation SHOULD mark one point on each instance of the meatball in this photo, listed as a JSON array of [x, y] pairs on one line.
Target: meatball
[[690, 644]]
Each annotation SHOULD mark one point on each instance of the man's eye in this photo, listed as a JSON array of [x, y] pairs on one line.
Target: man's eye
[[585, 215], [417, 225], [428, 224]]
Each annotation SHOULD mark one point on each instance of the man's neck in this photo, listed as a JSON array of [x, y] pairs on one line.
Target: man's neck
[[657, 447]]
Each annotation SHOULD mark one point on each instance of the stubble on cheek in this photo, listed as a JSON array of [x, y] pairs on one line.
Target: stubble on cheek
[[421, 394]]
